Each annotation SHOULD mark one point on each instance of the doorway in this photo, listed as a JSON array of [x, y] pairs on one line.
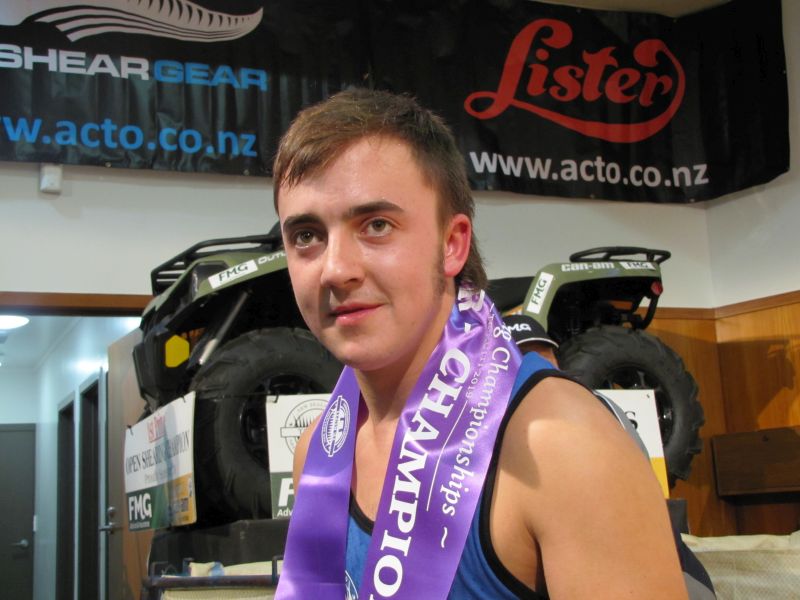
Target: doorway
[[18, 446], [65, 525], [89, 490], [70, 344], [81, 491]]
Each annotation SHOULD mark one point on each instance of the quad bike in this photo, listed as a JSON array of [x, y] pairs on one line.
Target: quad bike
[[224, 324], [592, 306]]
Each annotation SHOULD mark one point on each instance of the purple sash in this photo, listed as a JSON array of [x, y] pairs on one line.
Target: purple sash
[[440, 455]]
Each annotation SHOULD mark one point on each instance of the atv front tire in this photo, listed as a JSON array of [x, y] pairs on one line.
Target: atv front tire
[[231, 464], [610, 357]]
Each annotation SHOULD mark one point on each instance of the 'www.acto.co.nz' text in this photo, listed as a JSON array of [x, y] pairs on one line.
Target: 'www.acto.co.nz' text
[[594, 170], [108, 134]]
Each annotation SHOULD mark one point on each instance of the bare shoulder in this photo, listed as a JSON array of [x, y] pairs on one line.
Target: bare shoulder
[[561, 425], [564, 422], [593, 506], [301, 450]]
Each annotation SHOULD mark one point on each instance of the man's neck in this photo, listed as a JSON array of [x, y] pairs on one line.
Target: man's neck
[[385, 391]]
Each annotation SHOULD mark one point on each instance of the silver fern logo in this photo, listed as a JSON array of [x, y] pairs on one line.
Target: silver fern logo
[[176, 19], [335, 426]]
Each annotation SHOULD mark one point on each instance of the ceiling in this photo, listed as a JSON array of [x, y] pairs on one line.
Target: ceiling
[[29, 346], [25, 347]]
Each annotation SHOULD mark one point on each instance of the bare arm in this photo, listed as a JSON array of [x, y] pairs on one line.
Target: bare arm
[[592, 504]]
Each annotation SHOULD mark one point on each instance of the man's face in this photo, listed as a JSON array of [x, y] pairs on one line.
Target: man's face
[[367, 256]]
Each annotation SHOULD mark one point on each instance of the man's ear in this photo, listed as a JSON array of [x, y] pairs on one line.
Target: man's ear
[[457, 239]]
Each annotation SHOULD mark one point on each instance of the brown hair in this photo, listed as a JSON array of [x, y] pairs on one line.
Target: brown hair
[[321, 132]]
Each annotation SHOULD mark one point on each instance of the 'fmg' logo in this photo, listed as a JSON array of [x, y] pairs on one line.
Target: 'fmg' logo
[[140, 507]]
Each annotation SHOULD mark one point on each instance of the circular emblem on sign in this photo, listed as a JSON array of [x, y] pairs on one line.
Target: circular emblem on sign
[[298, 419], [335, 426]]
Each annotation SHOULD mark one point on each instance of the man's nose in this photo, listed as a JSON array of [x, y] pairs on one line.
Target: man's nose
[[342, 263]]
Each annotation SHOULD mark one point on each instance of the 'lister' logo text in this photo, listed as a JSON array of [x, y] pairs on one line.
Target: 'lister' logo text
[[600, 77]]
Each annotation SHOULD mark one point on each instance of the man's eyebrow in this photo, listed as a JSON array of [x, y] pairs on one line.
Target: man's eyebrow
[[301, 219], [375, 206], [367, 208]]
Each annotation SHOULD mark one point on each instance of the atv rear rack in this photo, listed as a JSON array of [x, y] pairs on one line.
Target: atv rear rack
[[607, 253], [167, 273]]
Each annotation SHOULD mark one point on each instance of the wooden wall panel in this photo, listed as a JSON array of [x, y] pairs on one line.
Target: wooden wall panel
[[746, 360], [45, 303], [128, 551], [759, 354], [760, 357], [774, 514], [694, 339]]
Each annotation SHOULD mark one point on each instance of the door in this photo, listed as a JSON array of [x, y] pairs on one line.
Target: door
[[18, 449], [65, 520], [81, 544], [89, 570], [127, 550]]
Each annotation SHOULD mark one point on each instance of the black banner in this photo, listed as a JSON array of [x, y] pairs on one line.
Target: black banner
[[168, 84], [544, 99], [559, 101]]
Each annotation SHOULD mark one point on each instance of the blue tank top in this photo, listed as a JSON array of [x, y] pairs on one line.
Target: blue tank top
[[480, 574]]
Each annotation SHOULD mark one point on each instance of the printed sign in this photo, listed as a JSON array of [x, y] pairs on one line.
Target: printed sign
[[159, 468], [554, 100], [287, 418], [640, 407], [187, 86], [544, 99]]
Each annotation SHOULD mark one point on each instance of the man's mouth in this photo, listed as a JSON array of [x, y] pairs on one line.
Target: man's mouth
[[352, 312]]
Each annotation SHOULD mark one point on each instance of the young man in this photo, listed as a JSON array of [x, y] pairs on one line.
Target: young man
[[427, 476], [530, 336]]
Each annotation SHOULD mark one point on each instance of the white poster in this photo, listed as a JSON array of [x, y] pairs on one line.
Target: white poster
[[640, 407], [159, 467], [287, 418]]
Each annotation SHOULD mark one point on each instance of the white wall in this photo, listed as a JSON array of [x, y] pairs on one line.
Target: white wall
[[19, 396], [77, 357], [109, 228], [754, 237], [519, 234]]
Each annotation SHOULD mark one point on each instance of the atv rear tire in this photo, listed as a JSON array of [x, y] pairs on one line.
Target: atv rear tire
[[611, 357], [231, 464]]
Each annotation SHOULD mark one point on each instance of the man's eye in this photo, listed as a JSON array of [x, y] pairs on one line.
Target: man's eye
[[379, 227], [304, 238]]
